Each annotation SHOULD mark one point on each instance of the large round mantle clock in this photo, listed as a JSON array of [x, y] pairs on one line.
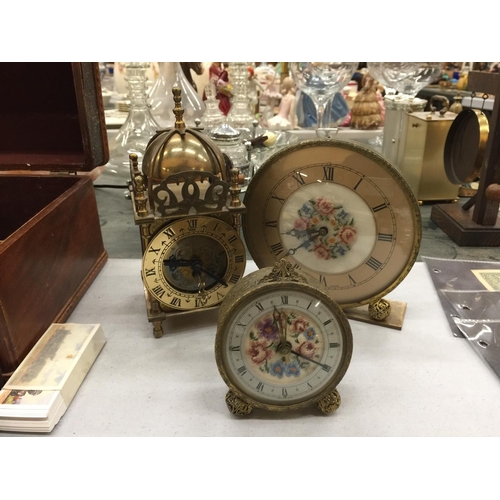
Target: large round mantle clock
[[186, 202], [342, 214]]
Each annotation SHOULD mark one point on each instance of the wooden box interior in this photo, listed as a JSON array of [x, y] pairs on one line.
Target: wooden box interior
[[23, 197]]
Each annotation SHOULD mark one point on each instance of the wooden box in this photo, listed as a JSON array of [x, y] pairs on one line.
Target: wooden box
[[52, 133]]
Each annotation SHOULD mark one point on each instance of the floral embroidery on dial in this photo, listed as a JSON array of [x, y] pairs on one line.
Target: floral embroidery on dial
[[263, 341], [327, 228], [324, 228]]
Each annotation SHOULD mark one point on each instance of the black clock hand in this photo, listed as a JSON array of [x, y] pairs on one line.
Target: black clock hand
[[312, 236], [174, 263], [195, 265], [325, 367], [213, 276]]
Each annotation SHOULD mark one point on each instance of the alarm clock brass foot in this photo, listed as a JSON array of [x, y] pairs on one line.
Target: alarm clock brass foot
[[329, 403], [157, 329], [236, 405]]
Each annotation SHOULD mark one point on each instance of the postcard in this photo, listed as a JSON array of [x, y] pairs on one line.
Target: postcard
[[51, 361], [490, 278]]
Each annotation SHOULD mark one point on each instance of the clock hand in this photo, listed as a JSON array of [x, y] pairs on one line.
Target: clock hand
[[325, 367], [312, 236], [277, 319], [173, 263], [283, 324], [195, 265], [213, 276]]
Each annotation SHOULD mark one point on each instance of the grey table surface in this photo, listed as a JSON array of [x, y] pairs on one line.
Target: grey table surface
[[419, 381]]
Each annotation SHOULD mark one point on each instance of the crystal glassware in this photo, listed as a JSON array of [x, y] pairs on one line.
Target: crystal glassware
[[424, 74], [240, 114], [408, 78], [139, 127], [321, 81], [162, 101], [212, 116]]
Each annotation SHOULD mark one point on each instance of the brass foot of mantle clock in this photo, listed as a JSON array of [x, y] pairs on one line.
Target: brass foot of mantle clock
[[383, 312]]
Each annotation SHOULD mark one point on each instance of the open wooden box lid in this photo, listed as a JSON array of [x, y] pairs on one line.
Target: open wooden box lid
[[52, 117]]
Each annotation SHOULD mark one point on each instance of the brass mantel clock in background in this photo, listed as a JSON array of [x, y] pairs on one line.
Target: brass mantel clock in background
[[342, 214], [186, 202]]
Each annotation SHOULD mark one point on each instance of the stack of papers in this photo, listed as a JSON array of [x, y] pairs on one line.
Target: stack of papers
[[41, 389]]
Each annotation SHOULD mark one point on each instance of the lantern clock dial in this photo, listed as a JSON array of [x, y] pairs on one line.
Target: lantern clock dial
[[193, 263]]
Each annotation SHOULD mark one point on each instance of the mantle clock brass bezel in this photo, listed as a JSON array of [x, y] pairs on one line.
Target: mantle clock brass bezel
[[379, 193]]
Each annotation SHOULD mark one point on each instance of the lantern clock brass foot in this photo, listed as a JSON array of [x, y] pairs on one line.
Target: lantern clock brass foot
[[329, 403], [157, 329], [236, 405]]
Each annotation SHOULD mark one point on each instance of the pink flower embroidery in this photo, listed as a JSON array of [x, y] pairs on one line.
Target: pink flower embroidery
[[324, 206], [300, 324], [322, 252], [347, 234], [301, 224], [259, 352], [307, 349]]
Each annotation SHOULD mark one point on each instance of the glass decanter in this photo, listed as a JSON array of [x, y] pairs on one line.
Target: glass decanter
[[162, 101], [139, 126], [213, 116], [240, 114]]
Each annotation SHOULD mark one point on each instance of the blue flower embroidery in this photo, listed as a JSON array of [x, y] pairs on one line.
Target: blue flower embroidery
[[306, 210], [340, 249], [293, 369], [278, 369], [310, 333], [341, 214]]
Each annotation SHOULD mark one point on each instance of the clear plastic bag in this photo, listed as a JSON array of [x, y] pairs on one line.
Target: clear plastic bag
[[451, 275]]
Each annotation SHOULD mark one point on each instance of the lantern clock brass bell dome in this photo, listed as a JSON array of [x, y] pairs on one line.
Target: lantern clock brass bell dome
[[181, 149]]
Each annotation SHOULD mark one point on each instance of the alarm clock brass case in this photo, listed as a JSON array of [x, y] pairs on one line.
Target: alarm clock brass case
[[281, 278], [170, 196], [370, 182]]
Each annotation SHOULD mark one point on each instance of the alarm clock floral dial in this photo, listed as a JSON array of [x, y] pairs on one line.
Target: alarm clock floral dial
[[284, 348], [193, 255], [338, 212]]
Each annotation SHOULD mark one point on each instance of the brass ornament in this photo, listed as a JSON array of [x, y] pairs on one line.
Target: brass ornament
[[283, 271], [329, 403], [380, 309], [236, 405]]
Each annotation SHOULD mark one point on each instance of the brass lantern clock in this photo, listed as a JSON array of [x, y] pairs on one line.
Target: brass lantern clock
[[186, 202]]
